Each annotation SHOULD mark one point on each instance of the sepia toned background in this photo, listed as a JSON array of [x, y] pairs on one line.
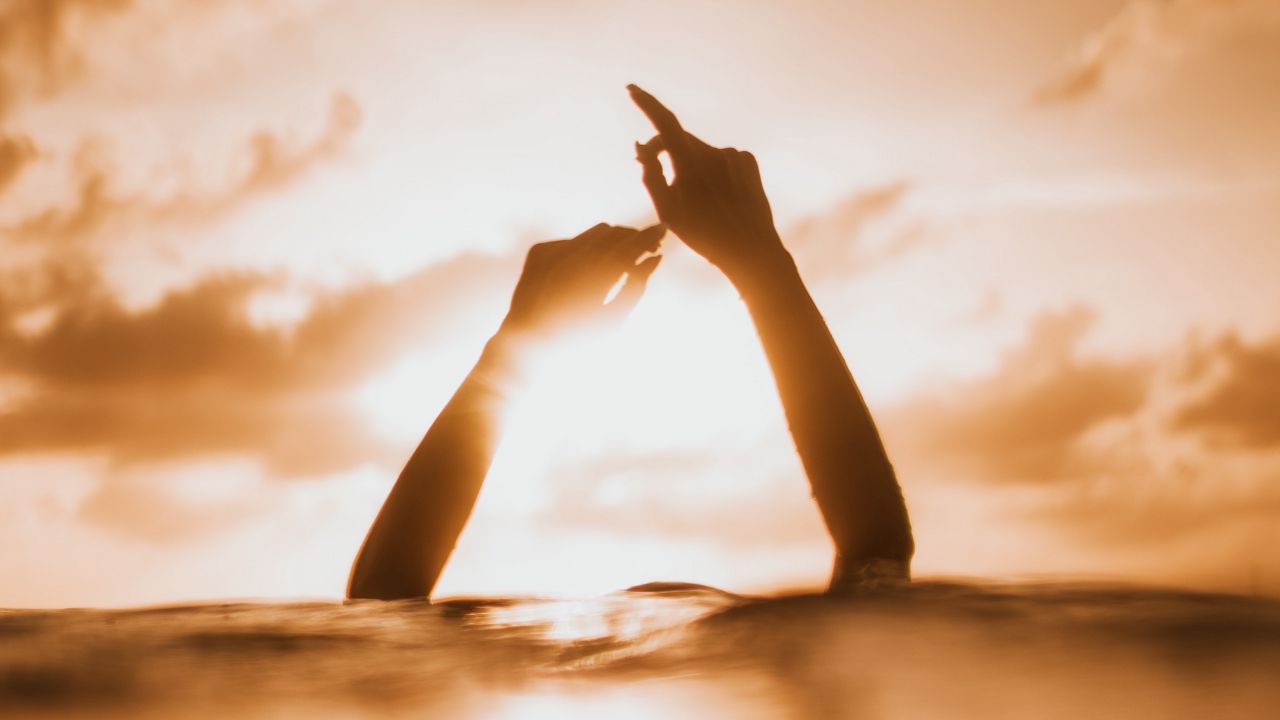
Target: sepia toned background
[[248, 248]]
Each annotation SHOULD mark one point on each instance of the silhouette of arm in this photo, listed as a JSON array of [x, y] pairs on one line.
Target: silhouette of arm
[[717, 205], [563, 283]]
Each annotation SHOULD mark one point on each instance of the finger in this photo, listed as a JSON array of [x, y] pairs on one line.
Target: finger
[[735, 171], [680, 143], [664, 121], [633, 289], [594, 232], [629, 249], [650, 239], [593, 243], [751, 169], [655, 181], [640, 274]]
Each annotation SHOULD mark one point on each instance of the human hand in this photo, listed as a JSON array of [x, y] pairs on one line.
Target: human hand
[[716, 203], [566, 282]]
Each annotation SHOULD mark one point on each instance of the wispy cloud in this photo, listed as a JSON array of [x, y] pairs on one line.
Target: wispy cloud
[[1149, 34], [866, 229], [273, 163]]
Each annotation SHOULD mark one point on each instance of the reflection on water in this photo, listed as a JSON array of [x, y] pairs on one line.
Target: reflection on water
[[927, 650]]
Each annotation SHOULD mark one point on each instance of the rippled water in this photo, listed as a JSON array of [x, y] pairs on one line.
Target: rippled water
[[927, 650]]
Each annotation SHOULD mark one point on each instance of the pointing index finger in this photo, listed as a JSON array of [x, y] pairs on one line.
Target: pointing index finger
[[663, 119]]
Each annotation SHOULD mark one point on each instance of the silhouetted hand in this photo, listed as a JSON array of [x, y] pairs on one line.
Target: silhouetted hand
[[566, 282], [716, 202]]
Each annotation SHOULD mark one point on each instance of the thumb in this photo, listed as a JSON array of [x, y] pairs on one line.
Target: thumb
[[655, 181]]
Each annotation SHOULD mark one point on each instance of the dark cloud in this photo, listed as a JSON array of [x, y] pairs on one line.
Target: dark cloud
[[1242, 410], [1024, 423], [193, 376], [294, 434]]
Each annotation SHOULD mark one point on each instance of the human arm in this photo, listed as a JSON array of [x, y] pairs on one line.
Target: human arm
[[563, 283], [717, 205]]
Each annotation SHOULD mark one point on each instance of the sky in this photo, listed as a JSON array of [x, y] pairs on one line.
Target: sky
[[250, 247]]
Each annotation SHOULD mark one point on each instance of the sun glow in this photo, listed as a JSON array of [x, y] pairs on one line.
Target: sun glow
[[685, 371]]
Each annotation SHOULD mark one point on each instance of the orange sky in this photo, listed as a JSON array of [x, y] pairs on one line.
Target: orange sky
[[251, 246]]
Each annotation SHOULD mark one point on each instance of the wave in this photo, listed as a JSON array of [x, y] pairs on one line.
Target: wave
[[925, 649]]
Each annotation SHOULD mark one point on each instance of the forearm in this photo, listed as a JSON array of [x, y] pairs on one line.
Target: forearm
[[835, 436], [427, 508]]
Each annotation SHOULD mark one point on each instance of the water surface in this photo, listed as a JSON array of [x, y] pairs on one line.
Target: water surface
[[925, 650]]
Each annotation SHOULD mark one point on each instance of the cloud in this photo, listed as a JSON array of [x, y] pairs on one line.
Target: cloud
[[1242, 410], [293, 434], [1026, 422], [1104, 456], [759, 496], [36, 49], [1147, 34], [1202, 524], [858, 234], [1097, 59], [193, 376], [854, 236], [176, 502], [15, 154], [59, 226], [1161, 509], [273, 163]]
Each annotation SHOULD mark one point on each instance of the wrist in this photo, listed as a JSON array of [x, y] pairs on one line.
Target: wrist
[[770, 267], [504, 356]]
